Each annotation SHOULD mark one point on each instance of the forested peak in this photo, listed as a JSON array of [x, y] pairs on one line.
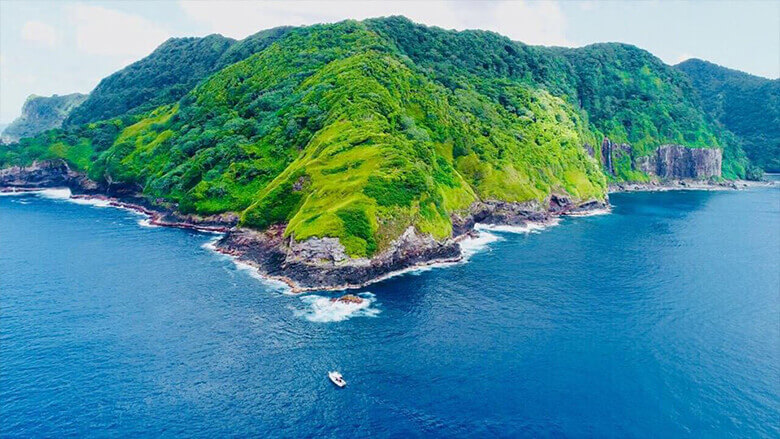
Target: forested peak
[[162, 77], [699, 68], [252, 44]]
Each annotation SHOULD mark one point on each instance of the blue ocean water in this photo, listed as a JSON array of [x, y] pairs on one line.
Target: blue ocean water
[[661, 319]]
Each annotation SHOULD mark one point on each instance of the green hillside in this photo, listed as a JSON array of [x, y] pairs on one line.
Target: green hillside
[[747, 105], [357, 130]]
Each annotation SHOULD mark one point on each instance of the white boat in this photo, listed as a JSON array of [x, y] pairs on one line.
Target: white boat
[[337, 379]]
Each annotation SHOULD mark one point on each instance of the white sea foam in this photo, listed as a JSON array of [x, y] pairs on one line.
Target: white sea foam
[[55, 194], [529, 227], [594, 212], [95, 202], [322, 310], [147, 222], [471, 246], [66, 195], [273, 284], [211, 244]]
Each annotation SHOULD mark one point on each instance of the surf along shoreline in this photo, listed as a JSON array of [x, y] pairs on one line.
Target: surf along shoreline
[[279, 259]]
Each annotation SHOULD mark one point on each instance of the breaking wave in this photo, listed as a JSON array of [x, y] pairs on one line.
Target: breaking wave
[[529, 227], [594, 212], [321, 309], [471, 246], [54, 194], [147, 222], [95, 202]]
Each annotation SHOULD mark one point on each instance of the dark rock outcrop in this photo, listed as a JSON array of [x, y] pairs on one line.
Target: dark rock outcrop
[[270, 253], [57, 174], [320, 263], [54, 173]]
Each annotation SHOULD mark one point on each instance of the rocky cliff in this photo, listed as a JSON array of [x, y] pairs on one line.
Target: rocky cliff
[[679, 162], [668, 162], [41, 113]]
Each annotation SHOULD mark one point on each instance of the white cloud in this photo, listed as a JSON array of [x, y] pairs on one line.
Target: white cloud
[[108, 32], [39, 33], [528, 21]]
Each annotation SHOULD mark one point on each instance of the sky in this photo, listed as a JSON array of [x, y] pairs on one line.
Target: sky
[[49, 47]]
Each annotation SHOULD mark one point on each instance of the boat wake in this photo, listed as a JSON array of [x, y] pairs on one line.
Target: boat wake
[[322, 309]]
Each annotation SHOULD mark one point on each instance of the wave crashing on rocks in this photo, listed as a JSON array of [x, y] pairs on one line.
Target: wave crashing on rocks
[[322, 309]]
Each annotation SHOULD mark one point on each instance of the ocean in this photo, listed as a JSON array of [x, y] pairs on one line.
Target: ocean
[[660, 319]]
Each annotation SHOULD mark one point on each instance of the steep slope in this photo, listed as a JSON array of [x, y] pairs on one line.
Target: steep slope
[[160, 78], [747, 105], [40, 113]]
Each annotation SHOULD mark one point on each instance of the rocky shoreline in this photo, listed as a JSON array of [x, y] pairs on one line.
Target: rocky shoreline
[[321, 263], [690, 185]]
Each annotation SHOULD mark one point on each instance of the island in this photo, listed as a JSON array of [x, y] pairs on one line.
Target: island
[[330, 156]]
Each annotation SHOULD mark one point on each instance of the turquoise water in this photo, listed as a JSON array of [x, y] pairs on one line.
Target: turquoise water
[[661, 319]]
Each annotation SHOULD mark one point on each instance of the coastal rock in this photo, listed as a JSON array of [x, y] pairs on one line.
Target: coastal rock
[[323, 250], [503, 212], [39, 174], [322, 263], [270, 253], [315, 263]]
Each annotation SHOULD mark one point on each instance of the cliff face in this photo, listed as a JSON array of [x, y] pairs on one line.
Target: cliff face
[[41, 113], [679, 162], [669, 162]]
